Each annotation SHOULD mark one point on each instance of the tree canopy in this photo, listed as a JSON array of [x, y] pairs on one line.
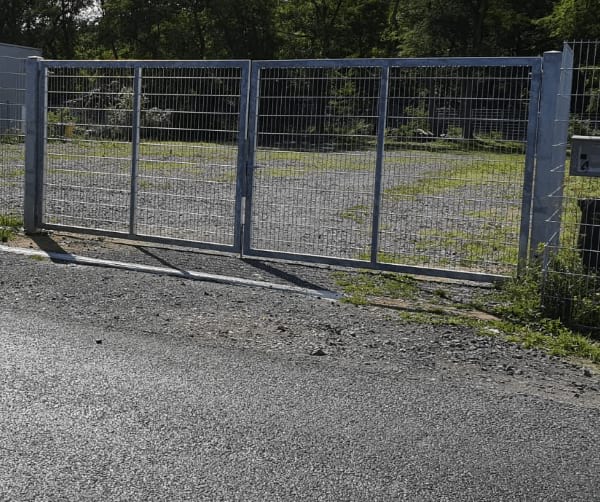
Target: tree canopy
[[280, 29]]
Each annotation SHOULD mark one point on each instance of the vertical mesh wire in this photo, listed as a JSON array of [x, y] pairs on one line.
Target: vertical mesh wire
[[571, 281], [187, 167], [454, 167], [88, 148], [314, 161], [12, 135]]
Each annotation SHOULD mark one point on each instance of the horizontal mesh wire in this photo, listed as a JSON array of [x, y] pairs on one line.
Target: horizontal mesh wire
[[571, 286], [314, 163], [187, 166], [88, 150], [12, 135], [454, 167]]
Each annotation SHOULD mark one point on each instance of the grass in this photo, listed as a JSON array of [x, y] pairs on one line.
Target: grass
[[9, 225], [491, 243], [366, 285], [516, 305], [358, 214], [472, 171]]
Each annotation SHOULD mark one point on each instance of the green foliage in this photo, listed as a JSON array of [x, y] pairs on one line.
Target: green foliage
[[11, 137], [359, 287], [270, 29], [9, 224], [58, 121], [573, 20]]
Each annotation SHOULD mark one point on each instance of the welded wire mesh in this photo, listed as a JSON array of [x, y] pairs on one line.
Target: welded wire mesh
[[453, 164], [88, 148], [571, 285], [187, 168], [12, 135], [172, 176], [314, 161], [454, 167]]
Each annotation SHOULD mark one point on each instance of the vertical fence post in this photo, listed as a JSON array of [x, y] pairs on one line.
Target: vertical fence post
[[240, 186], [33, 159], [381, 123], [135, 147], [549, 171], [251, 145]]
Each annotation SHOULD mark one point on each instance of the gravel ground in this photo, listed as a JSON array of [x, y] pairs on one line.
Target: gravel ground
[[299, 208], [121, 385]]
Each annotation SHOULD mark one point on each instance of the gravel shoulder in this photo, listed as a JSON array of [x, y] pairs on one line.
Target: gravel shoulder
[[242, 317]]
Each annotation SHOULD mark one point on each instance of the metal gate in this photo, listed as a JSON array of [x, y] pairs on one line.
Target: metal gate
[[417, 165], [140, 149], [414, 165]]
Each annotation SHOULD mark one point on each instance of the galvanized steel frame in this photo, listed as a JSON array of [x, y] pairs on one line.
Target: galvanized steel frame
[[37, 89], [535, 65], [543, 95]]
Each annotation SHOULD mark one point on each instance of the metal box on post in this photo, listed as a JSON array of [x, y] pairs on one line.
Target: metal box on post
[[585, 156], [585, 161]]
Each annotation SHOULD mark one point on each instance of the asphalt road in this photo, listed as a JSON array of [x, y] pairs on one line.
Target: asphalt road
[[92, 410]]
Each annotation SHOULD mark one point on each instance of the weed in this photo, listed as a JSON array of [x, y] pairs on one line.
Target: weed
[[517, 303], [472, 171], [358, 214], [9, 224], [361, 286]]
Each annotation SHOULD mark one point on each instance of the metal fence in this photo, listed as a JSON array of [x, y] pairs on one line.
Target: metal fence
[[12, 135], [143, 148], [571, 284], [415, 165], [402, 164]]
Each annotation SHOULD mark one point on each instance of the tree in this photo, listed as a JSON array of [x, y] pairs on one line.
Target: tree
[[469, 27], [52, 25], [332, 28], [573, 20]]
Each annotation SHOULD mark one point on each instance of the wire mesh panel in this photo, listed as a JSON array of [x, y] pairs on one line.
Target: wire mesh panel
[[454, 166], [88, 148], [188, 157], [571, 286], [12, 135], [146, 148], [314, 158], [393, 162]]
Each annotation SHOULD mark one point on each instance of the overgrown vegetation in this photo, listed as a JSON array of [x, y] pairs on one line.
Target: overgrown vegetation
[[557, 311], [9, 226]]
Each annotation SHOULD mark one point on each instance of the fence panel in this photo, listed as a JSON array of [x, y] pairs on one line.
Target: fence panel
[[146, 149], [571, 284], [312, 152], [398, 164], [12, 135]]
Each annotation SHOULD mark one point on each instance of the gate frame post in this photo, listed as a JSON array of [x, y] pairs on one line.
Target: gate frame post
[[34, 137], [135, 147], [382, 109], [550, 153]]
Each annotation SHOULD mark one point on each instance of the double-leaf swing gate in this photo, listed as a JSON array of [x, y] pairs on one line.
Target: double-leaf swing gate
[[417, 165]]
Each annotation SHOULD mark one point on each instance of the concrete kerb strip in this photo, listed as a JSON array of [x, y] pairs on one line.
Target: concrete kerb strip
[[186, 274]]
